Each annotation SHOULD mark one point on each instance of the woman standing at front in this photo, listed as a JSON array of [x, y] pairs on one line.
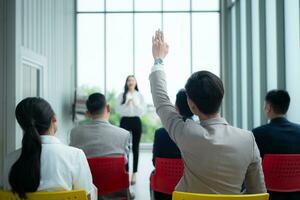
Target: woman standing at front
[[131, 107]]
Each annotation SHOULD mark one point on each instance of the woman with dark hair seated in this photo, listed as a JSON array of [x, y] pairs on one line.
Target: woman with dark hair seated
[[44, 163], [163, 146]]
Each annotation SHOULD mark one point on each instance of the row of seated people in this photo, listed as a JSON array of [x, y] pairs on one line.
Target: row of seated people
[[279, 136], [218, 158], [99, 138]]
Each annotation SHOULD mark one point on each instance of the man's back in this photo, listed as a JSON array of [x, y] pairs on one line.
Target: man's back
[[278, 137], [99, 138], [217, 157]]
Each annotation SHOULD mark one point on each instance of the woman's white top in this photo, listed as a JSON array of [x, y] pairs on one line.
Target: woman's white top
[[62, 168], [134, 108]]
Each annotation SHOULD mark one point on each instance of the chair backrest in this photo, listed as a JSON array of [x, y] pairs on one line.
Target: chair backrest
[[109, 174], [62, 195], [167, 174], [282, 172], [193, 196]]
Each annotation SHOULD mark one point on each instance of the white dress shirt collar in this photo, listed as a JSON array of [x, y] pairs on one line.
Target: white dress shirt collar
[[49, 139], [213, 121]]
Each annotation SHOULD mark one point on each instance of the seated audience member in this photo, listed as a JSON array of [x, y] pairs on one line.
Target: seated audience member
[[217, 156], [279, 136], [98, 138], [163, 146], [44, 163]]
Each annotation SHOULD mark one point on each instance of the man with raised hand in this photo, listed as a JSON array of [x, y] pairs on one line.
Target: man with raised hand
[[217, 157]]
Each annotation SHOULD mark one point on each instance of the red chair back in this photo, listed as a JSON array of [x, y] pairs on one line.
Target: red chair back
[[282, 172], [109, 174], [167, 174]]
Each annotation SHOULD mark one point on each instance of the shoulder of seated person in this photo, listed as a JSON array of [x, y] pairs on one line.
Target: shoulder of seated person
[[120, 130], [260, 129], [162, 129], [72, 149], [242, 132]]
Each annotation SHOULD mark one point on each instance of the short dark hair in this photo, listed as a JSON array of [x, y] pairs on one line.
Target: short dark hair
[[96, 103], [206, 90], [182, 104], [279, 101]]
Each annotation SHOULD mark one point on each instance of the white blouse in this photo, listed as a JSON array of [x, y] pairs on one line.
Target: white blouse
[[134, 108], [62, 168]]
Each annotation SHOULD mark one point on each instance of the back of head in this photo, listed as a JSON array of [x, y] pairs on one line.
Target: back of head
[[34, 115], [96, 103], [182, 104], [279, 100], [206, 90]]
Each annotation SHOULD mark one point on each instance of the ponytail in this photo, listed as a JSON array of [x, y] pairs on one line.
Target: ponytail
[[34, 115], [25, 173]]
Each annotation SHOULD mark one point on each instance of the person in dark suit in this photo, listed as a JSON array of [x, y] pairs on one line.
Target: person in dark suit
[[279, 136], [163, 146]]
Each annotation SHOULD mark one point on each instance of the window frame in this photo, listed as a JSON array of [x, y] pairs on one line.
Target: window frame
[[134, 11]]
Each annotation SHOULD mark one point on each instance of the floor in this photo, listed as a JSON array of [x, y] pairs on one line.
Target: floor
[[141, 188]]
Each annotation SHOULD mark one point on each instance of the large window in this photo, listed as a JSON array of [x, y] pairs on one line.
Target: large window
[[114, 41], [264, 55]]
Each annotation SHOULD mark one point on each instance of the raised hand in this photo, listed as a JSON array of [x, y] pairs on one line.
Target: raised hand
[[159, 47]]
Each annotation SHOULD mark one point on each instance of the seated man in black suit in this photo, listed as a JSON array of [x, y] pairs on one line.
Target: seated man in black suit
[[163, 146], [280, 136]]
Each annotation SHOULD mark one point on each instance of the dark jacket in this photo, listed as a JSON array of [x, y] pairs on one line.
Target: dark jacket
[[278, 137], [163, 146]]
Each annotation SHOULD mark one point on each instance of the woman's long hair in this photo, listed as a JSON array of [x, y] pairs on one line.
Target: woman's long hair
[[126, 88], [34, 115]]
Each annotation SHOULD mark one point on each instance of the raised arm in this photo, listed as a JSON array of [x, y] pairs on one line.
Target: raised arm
[[170, 119]]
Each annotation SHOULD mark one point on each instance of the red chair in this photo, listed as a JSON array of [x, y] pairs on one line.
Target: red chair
[[282, 172], [167, 174], [109, 174]]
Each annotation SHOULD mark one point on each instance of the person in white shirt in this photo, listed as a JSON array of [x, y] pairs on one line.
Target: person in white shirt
[[131, 107], [44, 163]]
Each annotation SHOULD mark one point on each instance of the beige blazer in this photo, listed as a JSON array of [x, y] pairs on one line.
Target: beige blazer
[[99, 138], [217, 157]]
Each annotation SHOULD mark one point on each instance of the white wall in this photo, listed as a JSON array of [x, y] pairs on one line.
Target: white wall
[[1, 84], [45, 28], [7, 69], [292, 47], [48, 29]]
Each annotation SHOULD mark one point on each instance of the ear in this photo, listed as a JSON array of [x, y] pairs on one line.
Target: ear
[[192, 106], [268, 107], [108, 108], [176, 107], [87, 114], [53, 119]]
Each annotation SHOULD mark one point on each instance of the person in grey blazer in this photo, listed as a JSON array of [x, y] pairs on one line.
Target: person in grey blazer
[[99, 138], [217, 157]]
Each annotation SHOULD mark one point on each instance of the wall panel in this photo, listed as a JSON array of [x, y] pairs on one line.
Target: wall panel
[[292, 48], [45, 28], [2, 85], [265, 49], [48, 30]]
